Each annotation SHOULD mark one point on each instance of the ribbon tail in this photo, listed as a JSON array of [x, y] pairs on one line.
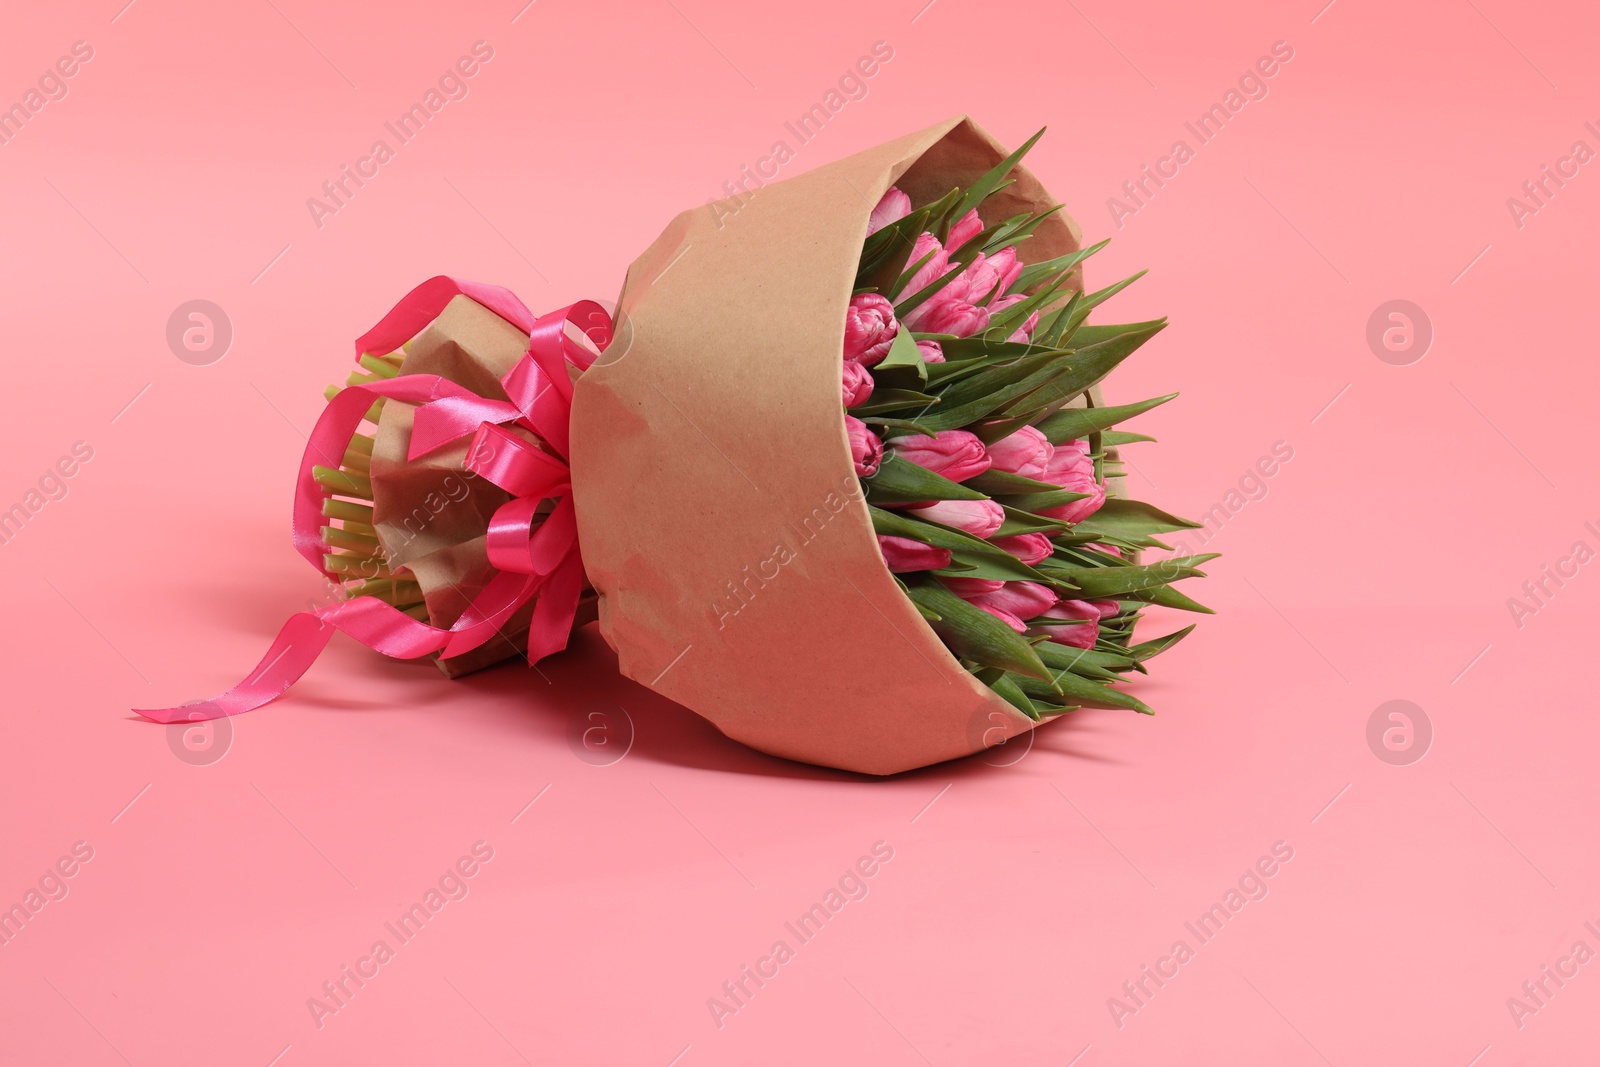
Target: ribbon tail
[[297, 647], [302, 639], [556, 608]]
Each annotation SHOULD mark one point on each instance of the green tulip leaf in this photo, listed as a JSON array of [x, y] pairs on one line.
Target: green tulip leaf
[[901, 481], [975, 634]]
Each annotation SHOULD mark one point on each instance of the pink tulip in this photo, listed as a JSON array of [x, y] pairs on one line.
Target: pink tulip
[[957, 308], [1030, 548], [903, 554], [956, 454], [931, 351], [1083, 633], [856, 384], [991, 274], [979, 593], [986, 278], [894, 206], [1004, 616], [980, 518], [1000, 303], [968, 588], [869, 329], [941, 314], [965, 229], [1026, 452], [1071, 468], [1025, 600], [866, 451], [931, 271], [1024, 333]]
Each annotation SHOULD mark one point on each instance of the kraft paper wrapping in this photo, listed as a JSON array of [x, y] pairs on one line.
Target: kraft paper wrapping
[[430, 513], [717, 507]]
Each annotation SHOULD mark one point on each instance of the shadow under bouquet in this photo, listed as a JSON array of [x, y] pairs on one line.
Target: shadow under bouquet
[[838, 477]]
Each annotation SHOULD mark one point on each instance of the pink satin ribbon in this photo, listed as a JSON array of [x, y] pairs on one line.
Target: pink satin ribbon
[[539, 562]]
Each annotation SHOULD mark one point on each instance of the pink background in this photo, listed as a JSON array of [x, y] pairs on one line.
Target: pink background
[[1377, 567]]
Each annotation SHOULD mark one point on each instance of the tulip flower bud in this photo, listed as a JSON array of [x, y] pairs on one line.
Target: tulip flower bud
[[965, 229], [956, 454], [1030, 548], [1026, 452], [935, 263], [942, 314], [1024, 333], [1004, 616], [869, 329], [1083, 633], [904, 554], [1071, 468], [894, 206], [980, 518], [970, 588], [856, 384], [965, 306], [866, 451], [1025, 600]]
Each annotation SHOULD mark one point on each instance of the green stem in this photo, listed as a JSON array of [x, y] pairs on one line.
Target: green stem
[[347, 483], [379, 368], [372, 413], [348, 511], [337, 538], [365, 566]]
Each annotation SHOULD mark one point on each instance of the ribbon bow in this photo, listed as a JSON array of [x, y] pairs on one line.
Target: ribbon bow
[[532, 561]]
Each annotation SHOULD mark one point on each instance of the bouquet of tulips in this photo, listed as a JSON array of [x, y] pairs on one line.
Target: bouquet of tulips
[[986, 489], [936, 565]]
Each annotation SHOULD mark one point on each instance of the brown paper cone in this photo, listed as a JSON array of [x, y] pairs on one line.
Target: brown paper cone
[[717, 507]]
